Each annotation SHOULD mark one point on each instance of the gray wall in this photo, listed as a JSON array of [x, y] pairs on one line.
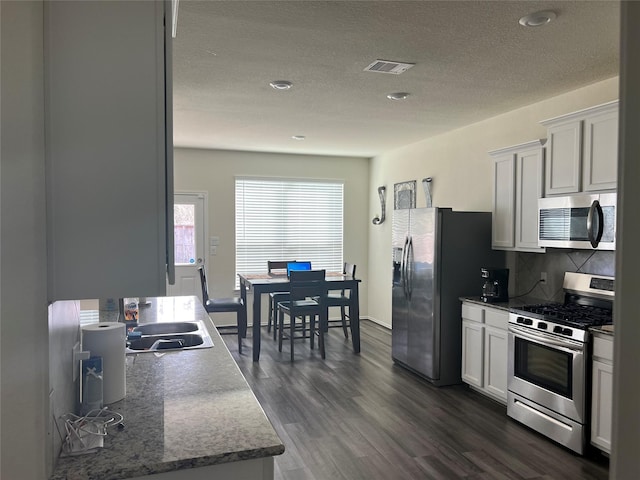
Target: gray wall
[[555, 262], [625, 461], [24, 359], [36, 338]]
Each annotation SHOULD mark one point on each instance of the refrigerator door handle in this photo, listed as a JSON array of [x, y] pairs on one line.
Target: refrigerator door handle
[[409, 268], [403, 266]]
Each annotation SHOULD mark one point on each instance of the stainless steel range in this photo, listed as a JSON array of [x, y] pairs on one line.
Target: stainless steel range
[[549, 359]]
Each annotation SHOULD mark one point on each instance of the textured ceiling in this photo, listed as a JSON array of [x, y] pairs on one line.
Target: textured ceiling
[[472, 61]]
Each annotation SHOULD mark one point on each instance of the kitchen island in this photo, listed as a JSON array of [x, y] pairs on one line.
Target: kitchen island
[[188, 414]]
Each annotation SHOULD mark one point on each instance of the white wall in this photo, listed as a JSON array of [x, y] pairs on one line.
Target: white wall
[[64, 332], [23, 306], [214, 171], [462, 172]]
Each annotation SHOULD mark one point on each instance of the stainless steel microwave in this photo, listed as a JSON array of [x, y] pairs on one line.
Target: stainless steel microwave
[[578, 221]]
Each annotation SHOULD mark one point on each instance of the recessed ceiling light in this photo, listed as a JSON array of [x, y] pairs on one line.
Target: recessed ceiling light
[[537, 19], [298, 137], [397, 96], [281, 84]]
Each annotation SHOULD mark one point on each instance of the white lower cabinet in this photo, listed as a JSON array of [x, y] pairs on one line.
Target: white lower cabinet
[[602, 392], [484, 349], [495, 361], [472, 349]]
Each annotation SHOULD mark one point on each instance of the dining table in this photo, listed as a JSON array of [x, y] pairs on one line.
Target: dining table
[[265, 283]]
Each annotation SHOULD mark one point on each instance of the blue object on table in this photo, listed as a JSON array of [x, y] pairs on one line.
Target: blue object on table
[[297, 266]]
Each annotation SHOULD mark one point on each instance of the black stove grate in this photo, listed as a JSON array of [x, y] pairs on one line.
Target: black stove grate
[[581, 316]]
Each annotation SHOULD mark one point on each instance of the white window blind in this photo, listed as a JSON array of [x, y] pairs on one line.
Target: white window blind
[[288, 220]]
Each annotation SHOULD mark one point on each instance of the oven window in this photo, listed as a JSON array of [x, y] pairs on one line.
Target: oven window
[[544, 366]]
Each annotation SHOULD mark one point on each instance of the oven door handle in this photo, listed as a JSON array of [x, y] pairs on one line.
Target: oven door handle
[[546, 339]]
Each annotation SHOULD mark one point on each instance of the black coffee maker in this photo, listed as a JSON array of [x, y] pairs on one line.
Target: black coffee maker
[[496, 285]]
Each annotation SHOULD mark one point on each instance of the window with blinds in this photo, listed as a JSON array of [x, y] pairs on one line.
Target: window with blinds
[[288, 220]]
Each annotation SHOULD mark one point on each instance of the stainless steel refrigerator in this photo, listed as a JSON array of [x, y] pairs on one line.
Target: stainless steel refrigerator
[[437, 257]]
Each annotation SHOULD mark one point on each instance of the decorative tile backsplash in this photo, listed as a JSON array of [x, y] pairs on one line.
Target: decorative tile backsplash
[[555, 262]]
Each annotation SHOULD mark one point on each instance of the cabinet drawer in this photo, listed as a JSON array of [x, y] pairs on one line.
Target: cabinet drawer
[[472, 312], [603, 348], [496, 318]]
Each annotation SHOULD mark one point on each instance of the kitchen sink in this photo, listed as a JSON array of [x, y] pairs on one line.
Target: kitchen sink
[[166, 327], [168, 336]]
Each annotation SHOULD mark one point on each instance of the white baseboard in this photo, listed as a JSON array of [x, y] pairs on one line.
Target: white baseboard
[[379, 322]]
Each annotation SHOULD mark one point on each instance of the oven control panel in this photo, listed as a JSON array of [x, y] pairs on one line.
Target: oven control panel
[[549, 327]]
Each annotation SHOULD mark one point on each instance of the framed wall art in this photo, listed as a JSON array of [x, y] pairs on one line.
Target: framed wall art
[[404, 195]]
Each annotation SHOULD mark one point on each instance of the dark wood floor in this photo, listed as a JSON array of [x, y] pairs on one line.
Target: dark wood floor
[[362, 417]]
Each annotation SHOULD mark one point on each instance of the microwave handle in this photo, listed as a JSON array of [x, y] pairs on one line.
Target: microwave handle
[[595, 237]]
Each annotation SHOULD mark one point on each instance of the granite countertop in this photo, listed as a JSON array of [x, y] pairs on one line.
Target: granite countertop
[[520, 301], [512, 303], [604, 329], [182, 410]]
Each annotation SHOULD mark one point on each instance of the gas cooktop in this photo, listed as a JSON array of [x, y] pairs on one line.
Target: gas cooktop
[[579, 316], [588, 302]]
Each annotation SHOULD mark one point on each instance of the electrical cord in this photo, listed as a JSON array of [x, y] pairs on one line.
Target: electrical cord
[[84, 433], [527, 292]]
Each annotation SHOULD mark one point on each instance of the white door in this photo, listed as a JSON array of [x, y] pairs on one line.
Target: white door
[[189, 234]]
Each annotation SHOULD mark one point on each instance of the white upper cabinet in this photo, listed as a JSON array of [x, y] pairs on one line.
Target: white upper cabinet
[[582, 151], [600, 157], [504, 188], [564, 158], [109, 155], [518, 184]]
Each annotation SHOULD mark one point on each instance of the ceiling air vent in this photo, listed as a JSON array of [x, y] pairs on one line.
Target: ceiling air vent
[[385, 66]]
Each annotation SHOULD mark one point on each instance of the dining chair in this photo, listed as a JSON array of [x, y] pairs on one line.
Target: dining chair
[[220, 305], [341, 299], [276, 267], [307, 293]]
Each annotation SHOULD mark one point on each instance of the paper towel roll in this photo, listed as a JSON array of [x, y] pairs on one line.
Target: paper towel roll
[[107, 340]]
